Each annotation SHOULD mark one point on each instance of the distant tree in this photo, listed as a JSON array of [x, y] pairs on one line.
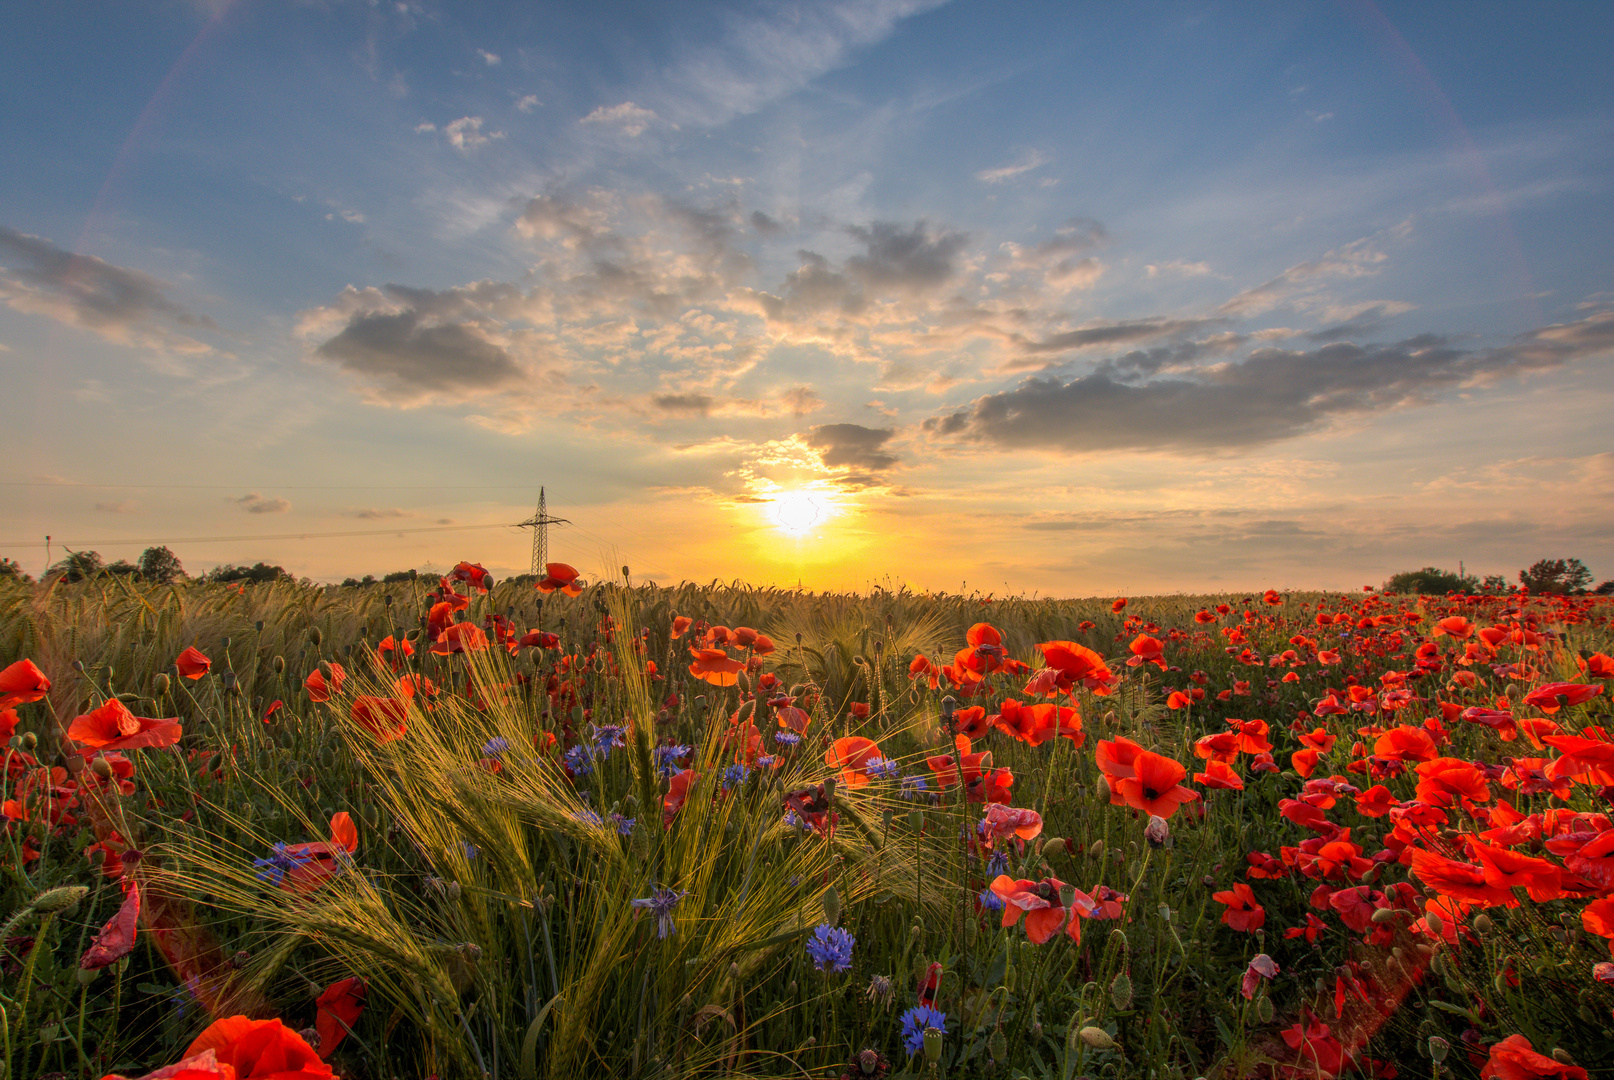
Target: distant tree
[[122, 568], [1606, 588], [11, 568], [77, 566], [261, 572], [1557, 576], [160, 565], [1430, 581], [1494, 585], [398, 575]]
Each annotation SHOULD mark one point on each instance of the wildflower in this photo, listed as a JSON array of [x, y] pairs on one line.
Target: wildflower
[[830, 948], [852, 755], [661, 902], [560, 576], [715, 667], [998, 863], [881, 990], [471, 850], [192, 664], [1243, 913], [1515, 1059], [114, 727], [1154, 786], [117, 938], [381, 717], [624, 825], [305, 867], [734, 775], [914, 1024], [282, 862], [21, 683], [677, 792], [1262, 967], [883, 768], [913, 786], [608, 737], [579, 760], [319, 689], [786, 738], [667, 759], [495, 746], [338, 1009], [989, 900]]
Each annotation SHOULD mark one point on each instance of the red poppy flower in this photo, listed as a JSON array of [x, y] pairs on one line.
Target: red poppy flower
[[381, 717], [1147, 650], [1271, 596], [321, 689], [260, 1050], [973, 721], [1222, 746], [1036, 724], [1376, 801], [1178, 700], [1252, 735], [1456, 626], [192, 664], [1076, 664], [21, 683], [410, 685], [314, 863], [1515, 1059], [1553, 696], [1114, 757], [473, 573], [340, 1007], [392, 650], [1508, 869], [114, 727], [538, 639], [1218, 774], [850, 755], [1038, 901], [715, 667], [677, 794], [680, 624], [1262, 967], [1243, 912], [117, 938], [1463, 882], [1598, 666], [1446, 781], [462, 637], [1154, 788], [1119, 605], [560, 576], [983, 653], [1319, 1052], [1404, 743]]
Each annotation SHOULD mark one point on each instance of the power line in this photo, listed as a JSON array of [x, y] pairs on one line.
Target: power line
[[83, 544], [248, 487]]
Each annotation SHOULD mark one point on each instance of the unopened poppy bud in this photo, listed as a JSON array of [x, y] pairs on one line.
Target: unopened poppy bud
[[832, 906], [78, 666], [97, 857], [1383, 915], [1121, 991], [315, 637], [1437, 926], [916, 932], [933, 1044], [948, 704], [128, 697], [1157, 832], [1054, 847], [1095, 850], [1097, 1038], [1561, 1056], [101, 767], [791, 989], [998, 1044], [916, 820], [452, 890], [62, 898], [1514, 691], [1264, 1010], [29, 741], [1164, 910]]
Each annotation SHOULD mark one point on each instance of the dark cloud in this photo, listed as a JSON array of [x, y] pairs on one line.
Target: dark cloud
[[1272, 394], [766, 225], [904, 260], [401, 352], [690, 404], [1099, 335], [811, 289], [254, 503], [120, 304], [852, 446]]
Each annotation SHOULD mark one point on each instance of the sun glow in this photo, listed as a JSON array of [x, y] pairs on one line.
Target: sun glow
[[797, 513]]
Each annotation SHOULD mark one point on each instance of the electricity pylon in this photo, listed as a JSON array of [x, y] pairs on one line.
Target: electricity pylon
[[539, 523]]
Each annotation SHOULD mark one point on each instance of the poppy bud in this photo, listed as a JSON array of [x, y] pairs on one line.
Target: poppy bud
[[315, 637], [1121, 991], [159, 685], [829, 788], [916, 820], [29, 741], [128, 698], [101, 767], [1383, 915], [1054, 847], [734, 971], [1436, 925], [452, 890], [998, 1044], [1164, 910], [1096, 849], [791, 989], [933, 1044], [1561, 1056], [78, 666], [948, 705], [832, 906], [63, 898], [1097, 1038], [1264, 1009]]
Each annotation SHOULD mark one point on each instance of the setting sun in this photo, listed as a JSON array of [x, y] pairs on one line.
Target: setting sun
[[795, 513]]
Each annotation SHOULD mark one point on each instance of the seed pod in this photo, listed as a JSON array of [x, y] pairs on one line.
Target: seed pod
[[87, 976], [315, 637], [1264, 1009], [59, 899], [1438, 1048], [101, 767], [1121, 992], [1383, 915], [933, 1044], [916, 820], [1097, 1038]]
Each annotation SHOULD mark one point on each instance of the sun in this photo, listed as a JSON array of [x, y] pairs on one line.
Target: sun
[[795, 513]]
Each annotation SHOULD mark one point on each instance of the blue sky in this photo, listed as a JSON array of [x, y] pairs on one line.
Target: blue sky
[[1033, 297]]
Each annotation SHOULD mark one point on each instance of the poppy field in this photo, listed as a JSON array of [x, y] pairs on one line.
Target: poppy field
[[454, 827]]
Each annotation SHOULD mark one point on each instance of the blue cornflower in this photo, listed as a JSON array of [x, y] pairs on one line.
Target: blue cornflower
[[912, 786], [914, 1023], [734, 775], [766, 761], [277, 866], [667, 756], [989, 900], [830, 948], [998, 863], [662, 902], [792, 820], [589, 817], [471, 850], [786, 738], [624, 825], [608, 737], [579, 759], [495, 746], [882, 768]]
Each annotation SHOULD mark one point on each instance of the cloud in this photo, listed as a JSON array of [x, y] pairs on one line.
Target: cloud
[[1101, 335], [1035, 159], [1064, 260], [852, 446], [254, 503], [1271, 395], [381, 514], [123, 306], [465, 134], [123, 506], [1178, 267], [527, 102], [896, 260], [796, 401], [629, 118], [1359, 258], [398, 348], [490, 59], [765, 225]]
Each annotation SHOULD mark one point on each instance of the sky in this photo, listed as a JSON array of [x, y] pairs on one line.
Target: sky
[[1027, 299]]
